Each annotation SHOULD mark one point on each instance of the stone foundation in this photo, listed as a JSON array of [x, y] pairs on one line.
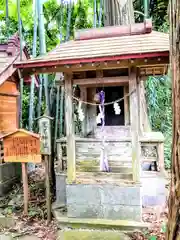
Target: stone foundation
[[61, 188], [104, 201]]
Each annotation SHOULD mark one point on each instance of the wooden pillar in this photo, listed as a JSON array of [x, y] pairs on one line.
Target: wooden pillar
[[126, 106], [91, 111], [144, 120], [134, 120], [69, 118], [140, 107], [83, 92]]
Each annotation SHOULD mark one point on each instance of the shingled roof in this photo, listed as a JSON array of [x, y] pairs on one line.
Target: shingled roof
[[9, 54], [86, 50]]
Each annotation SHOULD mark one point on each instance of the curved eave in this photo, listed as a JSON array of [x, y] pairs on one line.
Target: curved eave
[[55, 62]]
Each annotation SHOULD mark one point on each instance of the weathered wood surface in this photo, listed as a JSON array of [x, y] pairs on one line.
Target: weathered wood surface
[[8, 107], [25, 187], [83, 96], [119, 149], [134, 120], [22, 146], [91, 111], [69, 119], [107, 81], [114, 31], [126, 106], [154, 42]]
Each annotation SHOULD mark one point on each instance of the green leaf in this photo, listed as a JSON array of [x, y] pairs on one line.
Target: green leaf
[[152, 238]]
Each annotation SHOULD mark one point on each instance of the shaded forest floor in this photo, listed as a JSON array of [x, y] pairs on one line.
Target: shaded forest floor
[[35, 223]]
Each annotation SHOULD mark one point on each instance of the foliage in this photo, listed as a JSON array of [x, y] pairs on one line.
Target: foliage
[[160, 111]]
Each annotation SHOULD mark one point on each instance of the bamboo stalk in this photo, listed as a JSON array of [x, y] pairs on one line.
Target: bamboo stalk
[[95, 14], [61, 23], [100, 13], [31, 104], [20, 28], [40, 96], [146, 9], [43, 49]]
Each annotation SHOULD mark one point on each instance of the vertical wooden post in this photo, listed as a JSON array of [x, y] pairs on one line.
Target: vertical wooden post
[[160, 152], [144, 123], [48, 191], [61, 112], [140, 107], [83, 91], [69, 118], [25, 187], [126, 106], [134, 119]]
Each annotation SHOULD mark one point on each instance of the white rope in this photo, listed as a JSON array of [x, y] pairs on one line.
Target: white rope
[[105, 104]]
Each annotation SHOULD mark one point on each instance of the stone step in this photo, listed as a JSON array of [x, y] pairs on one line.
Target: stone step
[[98, 224], [93, 234]]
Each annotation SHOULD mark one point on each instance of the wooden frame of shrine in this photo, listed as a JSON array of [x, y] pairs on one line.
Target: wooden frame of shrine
[[113, 56]]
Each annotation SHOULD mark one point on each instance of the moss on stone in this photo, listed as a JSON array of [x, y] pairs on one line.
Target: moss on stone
[[92, 235]]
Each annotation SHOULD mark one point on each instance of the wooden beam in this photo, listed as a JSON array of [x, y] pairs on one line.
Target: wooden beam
[[134, 119], [126, 106], [83, 96], [69, 119], [106, 81], [117, 64]]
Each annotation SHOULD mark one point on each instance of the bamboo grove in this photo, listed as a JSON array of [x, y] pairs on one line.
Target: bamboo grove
[[45, 24]]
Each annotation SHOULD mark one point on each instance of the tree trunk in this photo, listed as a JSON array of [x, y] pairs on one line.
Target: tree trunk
[[118, 12], [121, 12], [173, 228]]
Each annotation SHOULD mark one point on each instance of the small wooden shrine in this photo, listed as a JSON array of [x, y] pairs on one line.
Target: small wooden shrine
[[9, 84], [116, 60], [9, 103]]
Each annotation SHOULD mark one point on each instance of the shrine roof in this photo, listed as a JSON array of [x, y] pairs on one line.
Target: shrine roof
[[153, 44], [9, 54]]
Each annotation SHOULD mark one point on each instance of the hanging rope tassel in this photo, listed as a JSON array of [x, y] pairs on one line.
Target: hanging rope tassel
[[104, 165]]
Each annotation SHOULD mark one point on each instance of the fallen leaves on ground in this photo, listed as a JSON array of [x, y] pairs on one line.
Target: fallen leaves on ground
[[35, 223], [157, 221]]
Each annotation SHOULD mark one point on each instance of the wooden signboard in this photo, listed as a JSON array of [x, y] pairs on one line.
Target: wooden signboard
[[22, 146]]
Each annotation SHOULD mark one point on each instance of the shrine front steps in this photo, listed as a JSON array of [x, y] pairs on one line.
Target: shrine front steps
[[65, 222]]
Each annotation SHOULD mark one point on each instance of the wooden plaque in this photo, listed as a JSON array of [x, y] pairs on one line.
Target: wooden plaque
[[22, 146], [45, 135]]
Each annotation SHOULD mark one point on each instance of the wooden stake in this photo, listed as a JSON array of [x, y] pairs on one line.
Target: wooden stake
[[48, 192], [25, 187]]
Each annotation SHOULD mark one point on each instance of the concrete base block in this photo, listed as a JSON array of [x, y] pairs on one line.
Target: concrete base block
[[104, 201], [61, 188], [154, 194]]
